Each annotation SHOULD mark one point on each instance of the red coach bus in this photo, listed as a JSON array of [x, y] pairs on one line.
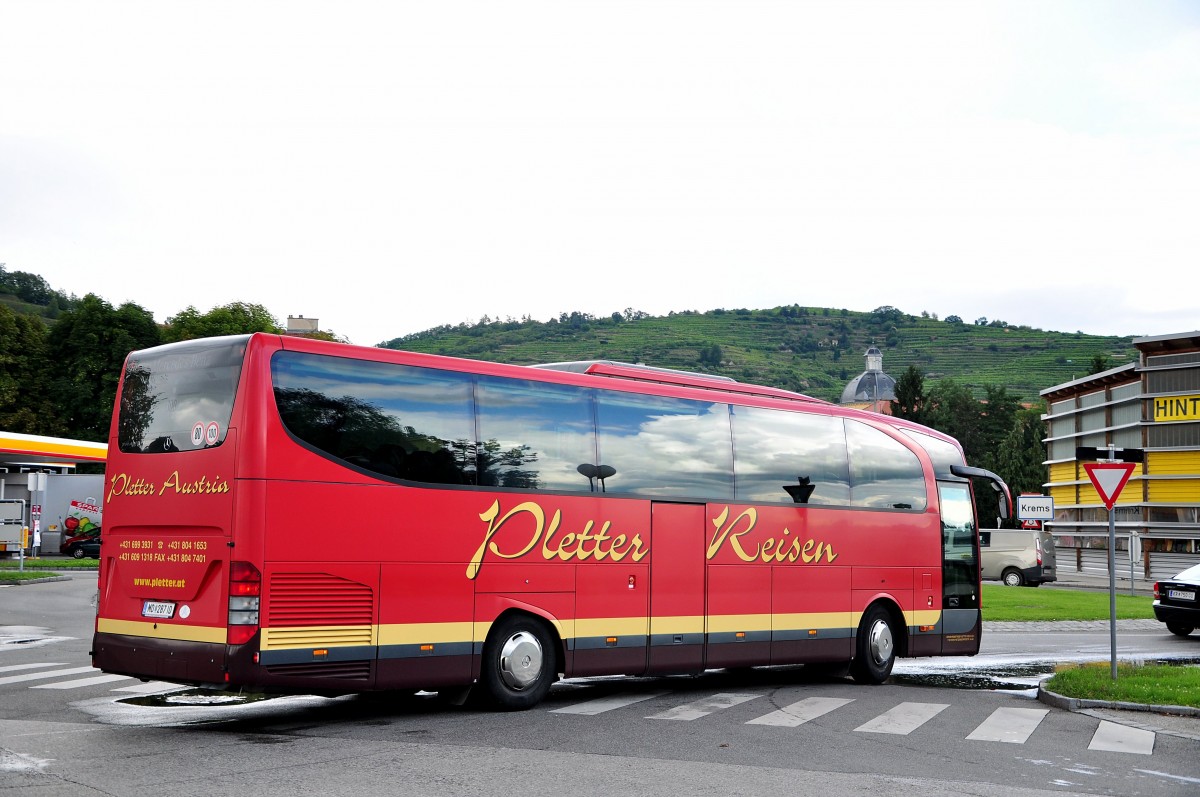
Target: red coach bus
[[290, 515]]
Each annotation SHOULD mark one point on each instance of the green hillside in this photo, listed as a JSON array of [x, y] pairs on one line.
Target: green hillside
[[808, 349], [811, 350]]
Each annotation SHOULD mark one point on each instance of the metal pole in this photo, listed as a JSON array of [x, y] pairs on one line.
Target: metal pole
[[1112, 578], [1112, 589], [1131, 591]]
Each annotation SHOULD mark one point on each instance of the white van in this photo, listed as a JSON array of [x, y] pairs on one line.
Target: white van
[[1018, 557]]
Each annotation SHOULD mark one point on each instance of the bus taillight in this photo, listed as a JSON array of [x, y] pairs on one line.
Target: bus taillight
[[245, 594]]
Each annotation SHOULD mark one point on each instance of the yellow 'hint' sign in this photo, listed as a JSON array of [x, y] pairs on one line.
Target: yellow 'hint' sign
[[1177, 408]]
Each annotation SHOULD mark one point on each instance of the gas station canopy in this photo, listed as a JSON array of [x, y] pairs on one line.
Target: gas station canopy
[[29, 450]]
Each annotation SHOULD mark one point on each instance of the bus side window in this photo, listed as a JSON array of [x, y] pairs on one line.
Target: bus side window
[[388, 460], [790, 457], [665, 447], [533, 435], [884, 474], [365, 412]]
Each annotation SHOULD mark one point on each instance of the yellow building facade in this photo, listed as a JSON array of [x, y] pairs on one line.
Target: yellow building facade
[[1154, 405]]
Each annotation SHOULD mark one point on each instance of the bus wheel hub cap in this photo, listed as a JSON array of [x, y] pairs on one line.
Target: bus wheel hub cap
[[520, 660], [881, 642]]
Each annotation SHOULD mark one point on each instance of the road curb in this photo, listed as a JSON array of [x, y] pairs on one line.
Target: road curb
[[1172, 720], [25, 581], [1079, 704]]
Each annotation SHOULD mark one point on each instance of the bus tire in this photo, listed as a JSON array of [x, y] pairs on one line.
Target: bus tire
[[519, 663], [874, 647]]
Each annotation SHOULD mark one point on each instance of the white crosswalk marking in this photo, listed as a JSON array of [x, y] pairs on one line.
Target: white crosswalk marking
[[97, 679], [36, 676], [149, 688], [600, 705], [702, 708], [1006, 724], [22, 673], [15, 667], [801, 712], [1115, 738], [1013, 725], [903, 719]]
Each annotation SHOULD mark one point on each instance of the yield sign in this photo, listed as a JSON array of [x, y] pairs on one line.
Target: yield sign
[[1108, 478]]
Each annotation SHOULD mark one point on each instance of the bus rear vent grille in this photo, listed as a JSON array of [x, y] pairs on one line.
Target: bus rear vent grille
[[318, 599], [339, 670]]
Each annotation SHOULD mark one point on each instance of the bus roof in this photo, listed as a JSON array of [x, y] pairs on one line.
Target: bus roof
[[670, 376]]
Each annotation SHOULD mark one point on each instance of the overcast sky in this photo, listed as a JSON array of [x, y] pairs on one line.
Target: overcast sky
[[387, 167]]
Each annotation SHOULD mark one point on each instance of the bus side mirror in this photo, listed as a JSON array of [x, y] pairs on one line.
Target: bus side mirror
[[968, 472]]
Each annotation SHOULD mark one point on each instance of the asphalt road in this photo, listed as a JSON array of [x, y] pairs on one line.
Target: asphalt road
[[940, 727]]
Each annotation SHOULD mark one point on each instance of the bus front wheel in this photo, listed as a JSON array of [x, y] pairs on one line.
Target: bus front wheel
[[875, 647], [519, 663]]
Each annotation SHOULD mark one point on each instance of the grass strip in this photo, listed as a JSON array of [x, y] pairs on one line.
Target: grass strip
[[1148, 684], [50, 564], [1002, 603], [9, 576]]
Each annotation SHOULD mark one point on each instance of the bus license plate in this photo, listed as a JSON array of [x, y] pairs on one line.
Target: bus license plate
[[162, 610], [1181, 595]]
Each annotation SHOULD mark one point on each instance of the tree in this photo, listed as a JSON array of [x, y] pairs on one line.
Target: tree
[[997, 416], [25, 405], [983, 427], [33, 289], [1099, 364], [87, 348], [955, 411], [1021, 455], [887, 314], [711, 356], [236, 318], [27, 287], [980, 426], [911, 401]]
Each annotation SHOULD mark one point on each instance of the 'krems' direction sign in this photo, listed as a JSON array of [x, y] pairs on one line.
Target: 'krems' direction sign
[[1035, 507]]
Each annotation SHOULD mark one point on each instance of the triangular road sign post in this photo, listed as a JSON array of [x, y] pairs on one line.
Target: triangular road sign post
[[1109, 478]]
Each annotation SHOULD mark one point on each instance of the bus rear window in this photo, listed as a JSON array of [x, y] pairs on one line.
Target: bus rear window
[[179, 397]]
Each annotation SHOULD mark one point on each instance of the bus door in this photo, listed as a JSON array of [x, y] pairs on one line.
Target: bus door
[[612, 608], [961, 621], [677, 588]]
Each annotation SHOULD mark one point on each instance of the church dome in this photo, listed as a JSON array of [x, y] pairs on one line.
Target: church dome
[[871, 385]]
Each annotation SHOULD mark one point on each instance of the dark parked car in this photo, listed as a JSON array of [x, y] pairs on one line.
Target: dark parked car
[[1175, 601], [80, 548], [67, 542]]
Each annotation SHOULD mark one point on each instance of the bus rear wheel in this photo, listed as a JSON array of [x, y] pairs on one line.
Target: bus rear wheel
[[519, 663], [875, 647]]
